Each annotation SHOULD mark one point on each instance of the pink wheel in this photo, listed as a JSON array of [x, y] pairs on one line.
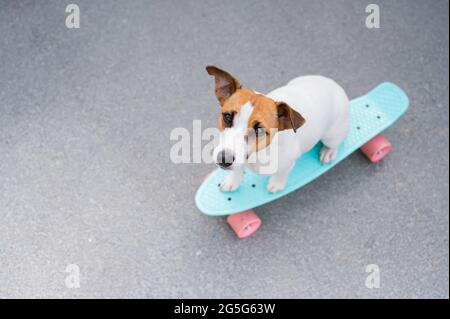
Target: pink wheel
[[377, 148], [244, 224]]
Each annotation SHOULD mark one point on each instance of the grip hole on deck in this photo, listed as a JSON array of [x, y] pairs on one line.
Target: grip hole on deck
[[218, 185], [378, 117], [358, 127], [253, 185], [367, 105], [229, 198]]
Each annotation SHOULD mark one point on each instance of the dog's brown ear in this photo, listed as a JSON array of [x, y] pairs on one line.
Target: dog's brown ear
[[288, 118], [225, 83]]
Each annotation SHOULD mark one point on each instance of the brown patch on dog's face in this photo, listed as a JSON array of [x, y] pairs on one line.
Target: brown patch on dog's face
[[232, 107], [268, 118], [263, 119]]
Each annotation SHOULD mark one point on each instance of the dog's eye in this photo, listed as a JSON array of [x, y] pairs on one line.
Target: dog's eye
[[228, 118], [259, 131]]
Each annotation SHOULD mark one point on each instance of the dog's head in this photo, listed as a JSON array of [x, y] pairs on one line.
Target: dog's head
[[248, 121]]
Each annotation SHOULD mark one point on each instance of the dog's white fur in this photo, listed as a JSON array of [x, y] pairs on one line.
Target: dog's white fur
[[325, 107]]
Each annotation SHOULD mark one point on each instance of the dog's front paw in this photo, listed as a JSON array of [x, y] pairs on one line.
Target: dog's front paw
[[229, 183], [276, 184]]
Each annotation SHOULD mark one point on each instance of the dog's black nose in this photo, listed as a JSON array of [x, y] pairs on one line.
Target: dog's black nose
[[225, 158]]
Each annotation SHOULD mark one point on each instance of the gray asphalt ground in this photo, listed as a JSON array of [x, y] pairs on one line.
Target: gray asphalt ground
[[85, 174]]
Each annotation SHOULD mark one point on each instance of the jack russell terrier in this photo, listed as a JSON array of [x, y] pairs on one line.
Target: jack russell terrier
[[292, 118]]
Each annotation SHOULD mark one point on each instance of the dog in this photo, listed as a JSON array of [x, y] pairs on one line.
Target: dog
[[291, 120]]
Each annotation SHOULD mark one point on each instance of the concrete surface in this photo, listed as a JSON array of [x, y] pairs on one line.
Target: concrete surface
[[85, 175]]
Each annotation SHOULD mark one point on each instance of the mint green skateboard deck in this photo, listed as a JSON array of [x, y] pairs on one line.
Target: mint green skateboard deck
[[369, 116]]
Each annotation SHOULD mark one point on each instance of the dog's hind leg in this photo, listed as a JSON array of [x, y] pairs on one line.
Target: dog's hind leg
[[328, 153], [331, 143]]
